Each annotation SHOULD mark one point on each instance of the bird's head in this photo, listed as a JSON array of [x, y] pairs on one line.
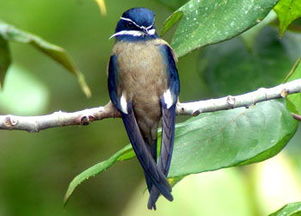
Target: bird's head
[[136, 24]]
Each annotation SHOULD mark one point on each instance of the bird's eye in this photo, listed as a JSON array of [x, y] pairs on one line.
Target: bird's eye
[[130, 25]]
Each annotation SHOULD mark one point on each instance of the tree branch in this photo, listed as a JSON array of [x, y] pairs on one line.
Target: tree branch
[[297, 117], [84, 117]]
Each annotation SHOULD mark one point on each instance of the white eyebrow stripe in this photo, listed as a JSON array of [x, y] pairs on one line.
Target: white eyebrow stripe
[[149, 27], [129, 20]]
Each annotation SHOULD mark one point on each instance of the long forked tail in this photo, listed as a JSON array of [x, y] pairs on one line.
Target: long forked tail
[[152, 148], [168, 131], [154, 174]]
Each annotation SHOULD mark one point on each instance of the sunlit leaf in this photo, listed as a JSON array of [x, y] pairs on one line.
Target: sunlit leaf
[[58, 54], [294, 101], [217, 140], [5, 59], [208, 22], [102, 7], [288, 11], [292, 209]]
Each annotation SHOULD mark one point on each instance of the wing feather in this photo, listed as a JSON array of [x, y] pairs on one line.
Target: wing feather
[[168, 107], [145, 158]]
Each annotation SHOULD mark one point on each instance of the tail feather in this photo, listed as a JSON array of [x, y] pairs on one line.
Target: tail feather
[[154, 176], [153, 149], [168, 131]]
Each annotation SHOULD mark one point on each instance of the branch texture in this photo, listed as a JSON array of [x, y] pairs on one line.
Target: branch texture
[[84, 117]]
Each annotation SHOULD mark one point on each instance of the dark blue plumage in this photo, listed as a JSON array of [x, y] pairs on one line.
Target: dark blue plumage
[[140, 17], [113, 81], [144, 156], [168, 120], [171, 69], [144, 86]]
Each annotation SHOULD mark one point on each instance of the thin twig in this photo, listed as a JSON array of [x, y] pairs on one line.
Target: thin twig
[[297, 117], [84, 117]]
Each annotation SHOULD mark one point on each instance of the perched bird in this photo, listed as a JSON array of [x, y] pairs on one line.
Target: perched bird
[[144, 86]]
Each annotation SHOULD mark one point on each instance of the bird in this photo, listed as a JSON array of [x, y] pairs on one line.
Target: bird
[[144, 86]]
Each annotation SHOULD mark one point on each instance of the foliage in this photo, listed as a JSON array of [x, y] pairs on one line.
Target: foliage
[[294, 101], [58, 54], [288, 11], [210, 141], [173, 4], [208, 22], [102, 6], [4, 59], [203, 143], [292, 209], [231, 65]]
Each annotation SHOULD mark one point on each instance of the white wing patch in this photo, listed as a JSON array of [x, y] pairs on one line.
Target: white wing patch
[[123, 104], [168, 100]]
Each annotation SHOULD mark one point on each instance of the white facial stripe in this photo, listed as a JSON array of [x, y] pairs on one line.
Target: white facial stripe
[[134, 33], [168, 100], [151, 31]]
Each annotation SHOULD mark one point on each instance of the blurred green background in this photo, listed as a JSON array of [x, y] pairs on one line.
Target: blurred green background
[[35, 169]]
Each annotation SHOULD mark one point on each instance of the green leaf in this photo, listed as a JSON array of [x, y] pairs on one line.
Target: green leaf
[[294, 101], [251, 35], [287, 11], [98, 168], [217, 140], [58, 54], [295, 73], [173, 4], [171, 21], [245, 136], [232, 68], [208, 22], [5, 59], [291, 209]]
